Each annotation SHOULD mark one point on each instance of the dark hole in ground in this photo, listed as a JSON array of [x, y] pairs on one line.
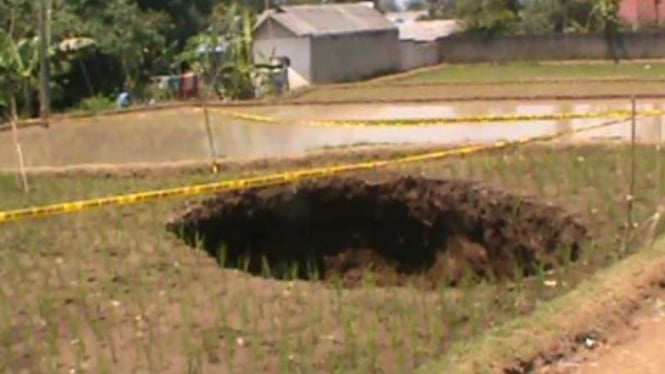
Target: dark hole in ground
[[437, 230]]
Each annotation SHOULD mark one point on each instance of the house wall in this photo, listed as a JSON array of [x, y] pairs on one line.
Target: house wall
[[467, 48], [283, 43], [642, 12], [352, 57], [415, 55]]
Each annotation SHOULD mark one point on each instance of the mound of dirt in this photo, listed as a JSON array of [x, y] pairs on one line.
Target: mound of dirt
[[435, 229]]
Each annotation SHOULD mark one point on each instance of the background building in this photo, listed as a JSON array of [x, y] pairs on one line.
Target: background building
[[328, 43]]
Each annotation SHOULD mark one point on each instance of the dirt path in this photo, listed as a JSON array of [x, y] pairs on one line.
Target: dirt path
[[640, 351], [643, 353], [635, 349]]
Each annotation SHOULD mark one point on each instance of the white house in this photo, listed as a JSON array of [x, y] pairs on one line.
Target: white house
[[328, 43], [418, 41], [418, 38]]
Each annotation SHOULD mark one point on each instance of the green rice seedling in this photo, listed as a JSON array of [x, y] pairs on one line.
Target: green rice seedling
[[541, 276], [368, 279], [285, 356], [98, 329], [189, 348], [105, 366], [79, 344], [230, 345], [372, 347], [293, 271], [222, 255], [194, 365], [265, 268], [6, 339], [245, 262], [313, 272], [454, 170], [396, 344], [257, 353], [209, 345]]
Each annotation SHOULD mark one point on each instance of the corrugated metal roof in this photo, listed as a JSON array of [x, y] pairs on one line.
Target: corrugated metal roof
[[426, 31], [326, 19]]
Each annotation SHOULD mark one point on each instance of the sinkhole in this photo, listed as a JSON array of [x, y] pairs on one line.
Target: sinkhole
[[346, 228]]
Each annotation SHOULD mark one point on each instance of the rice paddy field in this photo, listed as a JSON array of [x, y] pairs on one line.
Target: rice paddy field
[[385, 270]]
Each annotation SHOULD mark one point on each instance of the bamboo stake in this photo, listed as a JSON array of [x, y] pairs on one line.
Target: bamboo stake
[[211, 139], [19, 152], [631, 193]]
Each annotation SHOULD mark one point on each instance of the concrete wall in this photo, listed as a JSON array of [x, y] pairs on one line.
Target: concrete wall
[[416, 55], [468, 48], [352, 57], [296, 49]]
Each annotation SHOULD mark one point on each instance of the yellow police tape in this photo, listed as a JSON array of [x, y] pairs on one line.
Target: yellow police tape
[[269, 180], [421, 122]]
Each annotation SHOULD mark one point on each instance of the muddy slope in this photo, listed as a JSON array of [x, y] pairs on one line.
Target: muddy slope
[[403, 226]]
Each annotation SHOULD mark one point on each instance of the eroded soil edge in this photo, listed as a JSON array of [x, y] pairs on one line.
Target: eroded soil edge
[[435, 229]]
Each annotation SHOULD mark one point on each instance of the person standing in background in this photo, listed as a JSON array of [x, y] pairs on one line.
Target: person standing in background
[[124, 100]]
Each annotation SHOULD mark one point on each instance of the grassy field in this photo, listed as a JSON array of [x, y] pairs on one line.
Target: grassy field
[[479, 91], [112, 291], [521, 79], [526, 71]]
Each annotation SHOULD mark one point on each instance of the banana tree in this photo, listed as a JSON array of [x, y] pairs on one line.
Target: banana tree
[[228, 72], [237, 70], [18, 62]]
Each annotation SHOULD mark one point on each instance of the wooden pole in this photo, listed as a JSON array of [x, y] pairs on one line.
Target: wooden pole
[[44, 74], [13, 120], [631, 193], [211, 140], [659, 162]]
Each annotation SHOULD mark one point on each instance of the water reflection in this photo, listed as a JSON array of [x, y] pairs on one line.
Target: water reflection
[[179, 134]]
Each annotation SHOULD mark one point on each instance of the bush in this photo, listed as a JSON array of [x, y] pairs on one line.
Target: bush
[[96, 104], [487, 17]]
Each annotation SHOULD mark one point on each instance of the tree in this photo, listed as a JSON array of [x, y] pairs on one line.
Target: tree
[[541, 17], [229, 73], [415, 5], [606, 15], [186, 17], [487, 17], [130, 42], [119, 28], [439, 8]]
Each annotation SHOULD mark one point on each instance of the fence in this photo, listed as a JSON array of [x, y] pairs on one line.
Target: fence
[[470, 48]]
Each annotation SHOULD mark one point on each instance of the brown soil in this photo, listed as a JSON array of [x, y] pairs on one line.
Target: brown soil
[[634, 343], [636, 347], [637, 350], [315, 158], [436, 229], [589, 327]]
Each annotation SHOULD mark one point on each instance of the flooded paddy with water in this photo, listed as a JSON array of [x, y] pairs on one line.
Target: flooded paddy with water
[[172, 135]]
